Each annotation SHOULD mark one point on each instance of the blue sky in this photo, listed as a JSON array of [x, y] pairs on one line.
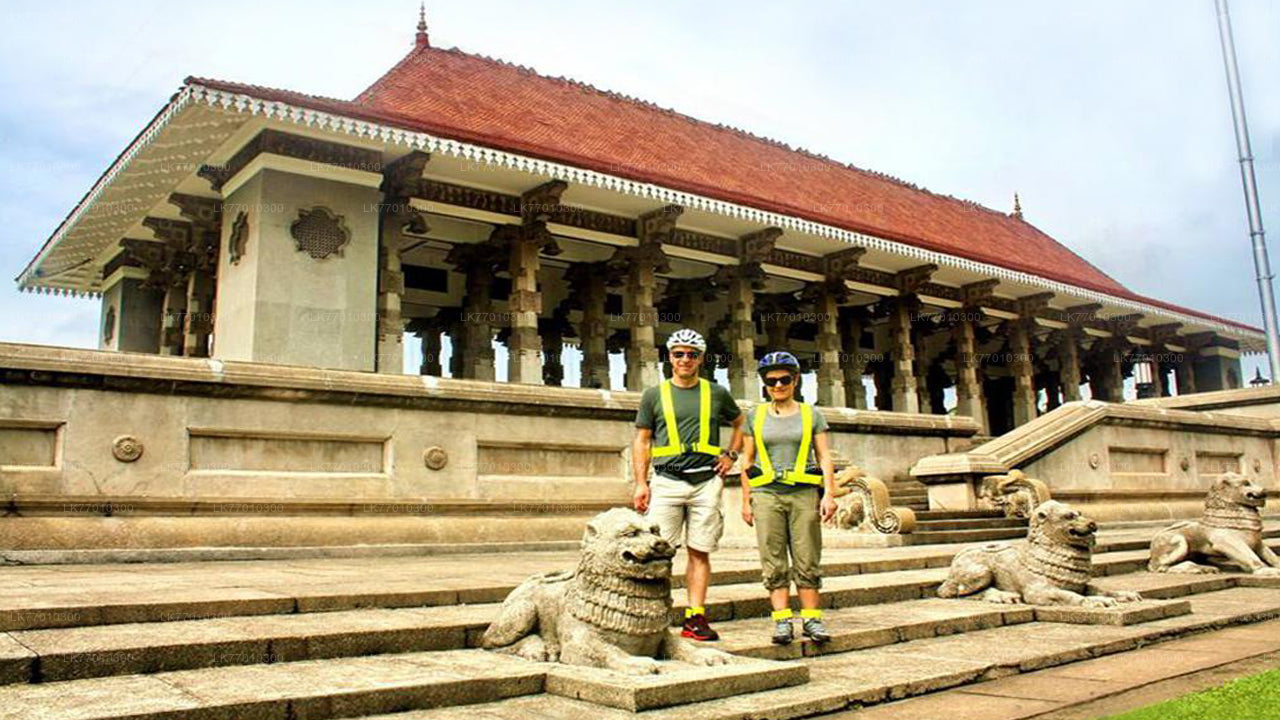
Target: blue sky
[[1110, 119]]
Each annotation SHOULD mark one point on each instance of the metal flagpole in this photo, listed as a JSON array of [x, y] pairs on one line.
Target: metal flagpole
[[1259, 239]]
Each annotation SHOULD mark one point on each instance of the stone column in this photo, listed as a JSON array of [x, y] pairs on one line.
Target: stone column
[[473, 340], [175, 310], [588, 283], [1184, 372], [1022, 367], [1069, 365], [902, 354], [855, 361], [203, 240], [432, 349], [642, 265], [400, 180], [830, 374], [198, 317], [742, 337], [969, 398], [882, 373], [524, 356]]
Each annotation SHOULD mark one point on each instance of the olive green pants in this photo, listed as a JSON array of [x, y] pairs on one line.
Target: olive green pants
[[789, 534]]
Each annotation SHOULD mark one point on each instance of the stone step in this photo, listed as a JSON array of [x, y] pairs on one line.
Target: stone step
[[897, 670], [317, 689], [940, 537], [103, 650], [970, 524], [22, 609], [957, 514]]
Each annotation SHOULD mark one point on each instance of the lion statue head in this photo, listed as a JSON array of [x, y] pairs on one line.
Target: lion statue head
[[622, 543], [1235, 490], [1060, 524]]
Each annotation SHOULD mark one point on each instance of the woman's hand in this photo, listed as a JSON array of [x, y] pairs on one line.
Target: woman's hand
[[827, 507]]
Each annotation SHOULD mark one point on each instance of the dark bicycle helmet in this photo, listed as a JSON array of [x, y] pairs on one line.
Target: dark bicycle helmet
[[779, 360]]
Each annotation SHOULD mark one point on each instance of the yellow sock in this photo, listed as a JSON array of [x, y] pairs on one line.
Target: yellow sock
[[811, 613], [691, 611], [780, 615]]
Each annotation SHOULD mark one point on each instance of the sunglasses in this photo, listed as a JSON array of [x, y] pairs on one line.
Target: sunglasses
[[682, 354], [783, 381]]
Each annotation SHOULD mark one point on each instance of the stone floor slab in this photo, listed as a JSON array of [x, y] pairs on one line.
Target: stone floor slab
[[1125, 614], [676, 684]]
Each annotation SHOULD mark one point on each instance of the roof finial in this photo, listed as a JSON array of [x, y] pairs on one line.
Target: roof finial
[[1017, 206], [420, 40]]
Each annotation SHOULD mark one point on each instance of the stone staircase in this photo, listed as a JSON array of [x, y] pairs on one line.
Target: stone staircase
[[395, 638], [949, 526]]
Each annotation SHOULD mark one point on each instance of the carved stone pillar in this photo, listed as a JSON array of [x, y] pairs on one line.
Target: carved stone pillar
[[830, 374], [642, 264], [742, 337], [524, 357], [882, 373], [1023, 369], [395, 216], [854, 360], [473, 341], [430, 331], [1184, 374], [174, 319], [1069, 365], [969, 397], [904, 388], [588, 285]]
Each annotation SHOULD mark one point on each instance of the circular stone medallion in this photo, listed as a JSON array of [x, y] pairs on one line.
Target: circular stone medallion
[[435, 457], [126, 448]]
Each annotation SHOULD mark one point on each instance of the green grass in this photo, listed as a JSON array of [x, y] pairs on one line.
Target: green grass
[[1256, 697]]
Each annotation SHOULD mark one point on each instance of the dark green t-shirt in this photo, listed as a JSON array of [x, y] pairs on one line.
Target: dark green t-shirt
[[692, 466]]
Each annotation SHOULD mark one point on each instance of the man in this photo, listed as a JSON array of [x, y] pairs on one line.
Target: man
[[684, 495]]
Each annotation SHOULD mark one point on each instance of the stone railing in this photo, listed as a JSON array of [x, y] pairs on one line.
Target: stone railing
[[1131, 461]]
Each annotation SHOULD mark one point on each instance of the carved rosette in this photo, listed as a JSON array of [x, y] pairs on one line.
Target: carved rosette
[[1015, 494], [320, 232], [862, 504], [126, 448], [435, 458]]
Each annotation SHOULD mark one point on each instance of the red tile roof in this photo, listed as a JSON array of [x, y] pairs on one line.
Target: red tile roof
[[488, 102], [515, 108]]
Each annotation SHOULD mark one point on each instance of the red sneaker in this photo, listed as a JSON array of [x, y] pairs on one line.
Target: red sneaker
[[697, 627]]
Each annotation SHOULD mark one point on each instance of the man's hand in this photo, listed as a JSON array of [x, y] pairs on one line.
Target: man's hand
[[724, 464], [827, 507], [641, 499], [748, 516]]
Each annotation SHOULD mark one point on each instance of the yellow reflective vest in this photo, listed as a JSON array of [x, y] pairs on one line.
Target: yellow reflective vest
[[796, 475], [674, 446]]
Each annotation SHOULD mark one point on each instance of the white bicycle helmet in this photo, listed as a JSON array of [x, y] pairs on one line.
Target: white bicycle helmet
[[687, 338]]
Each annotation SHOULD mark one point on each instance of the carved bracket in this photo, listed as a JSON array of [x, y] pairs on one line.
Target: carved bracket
[[862, 504], [1015, 494]]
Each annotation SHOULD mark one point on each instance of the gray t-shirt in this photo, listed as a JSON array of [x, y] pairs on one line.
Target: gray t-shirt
[[782, 439], [692, 466]]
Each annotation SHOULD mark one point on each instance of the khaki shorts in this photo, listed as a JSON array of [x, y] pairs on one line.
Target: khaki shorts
[[681, 508]]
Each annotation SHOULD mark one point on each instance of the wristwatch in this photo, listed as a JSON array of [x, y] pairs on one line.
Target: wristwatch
[[733, 455]]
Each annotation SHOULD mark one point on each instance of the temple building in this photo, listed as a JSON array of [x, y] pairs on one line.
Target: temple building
[[467, 200]]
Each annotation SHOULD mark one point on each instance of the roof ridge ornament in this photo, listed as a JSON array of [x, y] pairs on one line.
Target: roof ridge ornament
[[1017, 206], [421, 40]]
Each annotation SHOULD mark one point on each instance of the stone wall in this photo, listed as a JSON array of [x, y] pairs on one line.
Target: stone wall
[[101, 449]]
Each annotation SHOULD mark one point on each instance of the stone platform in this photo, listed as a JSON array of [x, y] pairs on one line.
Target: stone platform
[[329, 638]]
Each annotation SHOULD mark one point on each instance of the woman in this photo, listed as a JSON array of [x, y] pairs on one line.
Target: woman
[[782, 497]]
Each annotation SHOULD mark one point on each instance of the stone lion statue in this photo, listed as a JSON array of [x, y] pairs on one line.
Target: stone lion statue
[[613, 612], [1053, 566], [1228, 534]]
